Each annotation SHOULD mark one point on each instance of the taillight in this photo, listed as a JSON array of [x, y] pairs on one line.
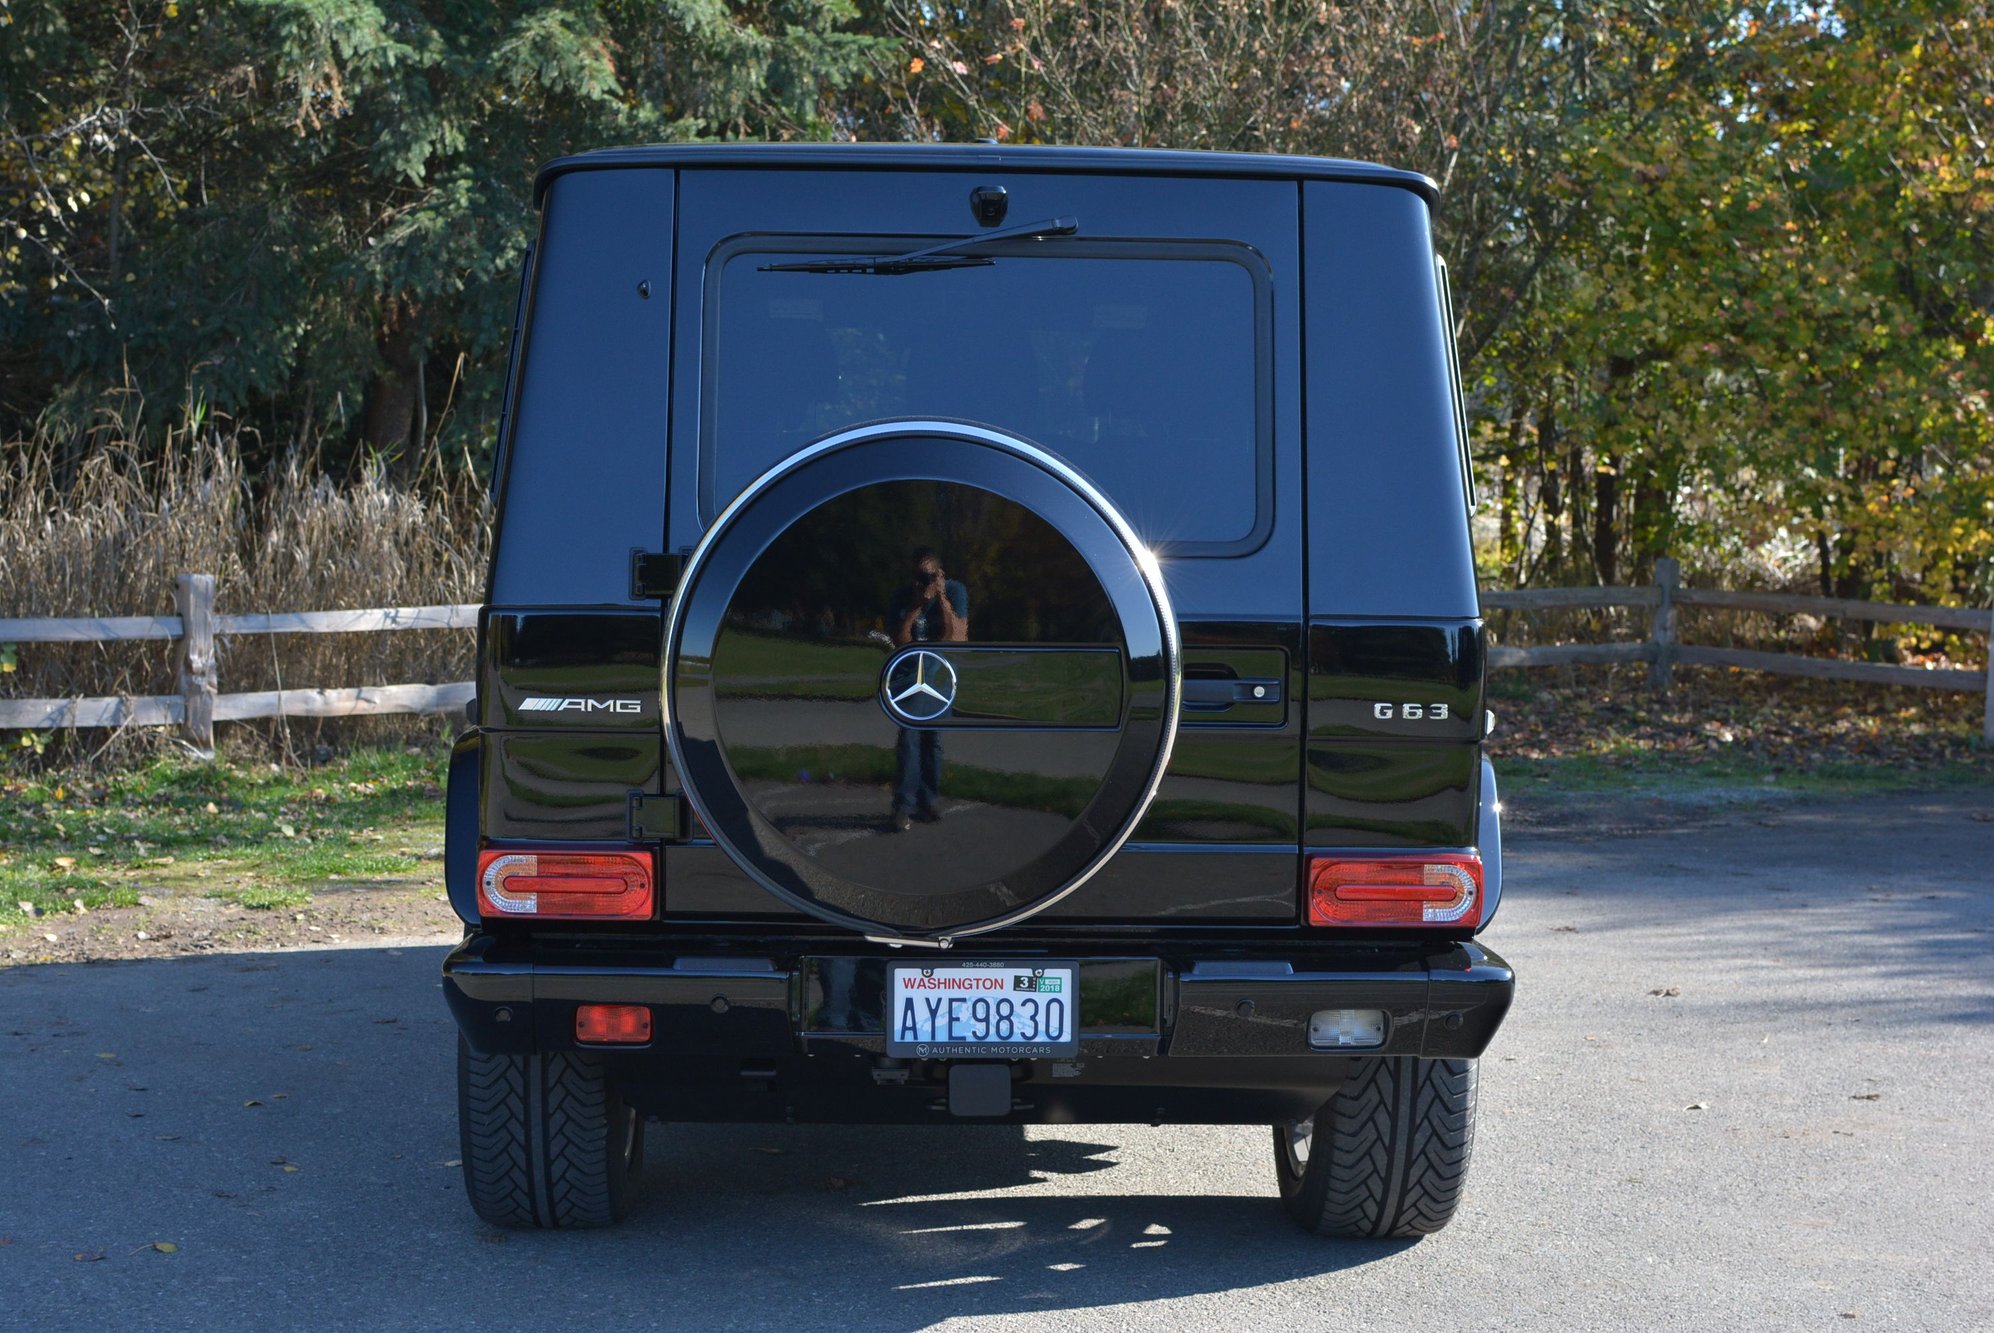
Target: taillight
[[613, 1024], [566, 885], [1424, 889]]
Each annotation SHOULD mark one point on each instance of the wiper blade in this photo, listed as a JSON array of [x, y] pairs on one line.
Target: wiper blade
[[880, 265], [946, 255]]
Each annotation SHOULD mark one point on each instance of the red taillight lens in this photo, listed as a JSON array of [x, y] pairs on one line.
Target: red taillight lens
[[1429, 889], [566, 885], [616, 1024]]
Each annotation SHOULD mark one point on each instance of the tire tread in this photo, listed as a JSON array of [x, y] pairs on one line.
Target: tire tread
[[540, 1140], [1390, 1152]]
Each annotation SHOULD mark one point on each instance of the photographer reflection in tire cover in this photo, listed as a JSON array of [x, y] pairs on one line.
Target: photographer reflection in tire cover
[[930, 607]]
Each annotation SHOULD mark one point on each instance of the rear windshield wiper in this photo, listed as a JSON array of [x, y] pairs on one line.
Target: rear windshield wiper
[[949, 254]]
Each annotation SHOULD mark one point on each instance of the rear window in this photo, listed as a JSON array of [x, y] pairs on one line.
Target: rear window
[[1144, 365]]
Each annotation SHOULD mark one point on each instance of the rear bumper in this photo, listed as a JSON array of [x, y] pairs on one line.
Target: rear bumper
[[794, 1033]]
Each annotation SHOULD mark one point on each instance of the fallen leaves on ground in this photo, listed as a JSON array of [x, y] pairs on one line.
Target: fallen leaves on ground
[[1781, 722]]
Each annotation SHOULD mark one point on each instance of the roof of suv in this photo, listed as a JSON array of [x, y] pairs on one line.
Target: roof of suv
[[988, 157]]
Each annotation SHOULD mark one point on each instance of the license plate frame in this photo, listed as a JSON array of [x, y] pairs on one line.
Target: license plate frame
[[1062, 1002]]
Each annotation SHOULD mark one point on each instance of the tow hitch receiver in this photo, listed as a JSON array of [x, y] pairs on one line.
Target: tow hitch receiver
[[979, 1090]]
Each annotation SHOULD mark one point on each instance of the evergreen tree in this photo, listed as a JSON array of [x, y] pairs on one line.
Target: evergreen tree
[[309, 212]]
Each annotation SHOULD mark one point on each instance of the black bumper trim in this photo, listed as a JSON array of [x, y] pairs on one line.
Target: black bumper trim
[[1445, 1000]]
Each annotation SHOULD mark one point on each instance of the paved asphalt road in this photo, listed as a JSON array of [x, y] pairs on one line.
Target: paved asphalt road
[[1835, 1028]]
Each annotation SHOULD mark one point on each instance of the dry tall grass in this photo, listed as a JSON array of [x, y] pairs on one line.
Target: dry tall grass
[[130, 518]]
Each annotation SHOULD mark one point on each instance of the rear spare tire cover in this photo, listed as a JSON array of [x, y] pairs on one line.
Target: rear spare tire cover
[[911, 757]]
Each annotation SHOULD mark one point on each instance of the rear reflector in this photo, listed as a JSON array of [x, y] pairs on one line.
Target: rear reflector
[[1428, 889], [616, 1024], [566, 885]]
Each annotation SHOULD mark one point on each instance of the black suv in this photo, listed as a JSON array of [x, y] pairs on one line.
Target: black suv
[[978, 633]]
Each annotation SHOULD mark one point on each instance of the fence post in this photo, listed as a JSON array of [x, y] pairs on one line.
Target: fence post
[[1987, 722], [1662, 628], [194, 599]]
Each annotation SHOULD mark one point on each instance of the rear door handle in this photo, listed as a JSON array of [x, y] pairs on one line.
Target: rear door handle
[[1209, 695]]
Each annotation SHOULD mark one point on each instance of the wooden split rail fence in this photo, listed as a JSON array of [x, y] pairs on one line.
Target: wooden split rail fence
[[198, 705], [1663, 649]]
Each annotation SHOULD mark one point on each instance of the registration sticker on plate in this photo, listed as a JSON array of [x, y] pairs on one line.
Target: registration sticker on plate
[[994, 1010]]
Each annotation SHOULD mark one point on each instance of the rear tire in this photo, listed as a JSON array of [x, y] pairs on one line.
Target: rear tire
[[1387, 1156], [546, 1140]]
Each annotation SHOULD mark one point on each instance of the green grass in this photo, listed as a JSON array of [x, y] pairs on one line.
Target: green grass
[[263, 897], [78, 836], [1630, 771], [333, 859], [174, 805], [49, 889]]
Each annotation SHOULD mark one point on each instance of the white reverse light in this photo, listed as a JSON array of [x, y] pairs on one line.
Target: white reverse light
[[1332, 1029]]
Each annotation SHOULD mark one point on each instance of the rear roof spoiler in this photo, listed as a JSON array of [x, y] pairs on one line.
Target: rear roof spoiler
[[987, 157]]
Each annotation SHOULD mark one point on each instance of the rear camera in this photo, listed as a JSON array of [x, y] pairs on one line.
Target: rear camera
[[989, 203]]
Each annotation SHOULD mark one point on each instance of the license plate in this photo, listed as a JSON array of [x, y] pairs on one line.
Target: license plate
[[995, 1010]]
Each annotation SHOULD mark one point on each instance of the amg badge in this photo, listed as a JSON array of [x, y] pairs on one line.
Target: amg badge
[[545, 703]]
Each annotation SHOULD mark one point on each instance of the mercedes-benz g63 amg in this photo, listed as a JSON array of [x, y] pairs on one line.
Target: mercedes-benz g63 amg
[[978, 633]]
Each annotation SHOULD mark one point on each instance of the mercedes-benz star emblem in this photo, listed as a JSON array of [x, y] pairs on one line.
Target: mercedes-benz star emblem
[[919, 687]]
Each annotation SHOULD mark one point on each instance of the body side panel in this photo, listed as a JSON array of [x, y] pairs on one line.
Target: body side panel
[[584, 473], [1388, 530]]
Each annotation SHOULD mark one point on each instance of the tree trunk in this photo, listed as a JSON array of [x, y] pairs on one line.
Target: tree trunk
[[1650, 525], [114, 271], [1606, 518], [1506, 503], [396, 390], [1576, 497], [1548, 491]]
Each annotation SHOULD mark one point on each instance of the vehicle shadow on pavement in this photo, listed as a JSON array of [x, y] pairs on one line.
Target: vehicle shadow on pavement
[[931, 1222], [286, 1122]]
